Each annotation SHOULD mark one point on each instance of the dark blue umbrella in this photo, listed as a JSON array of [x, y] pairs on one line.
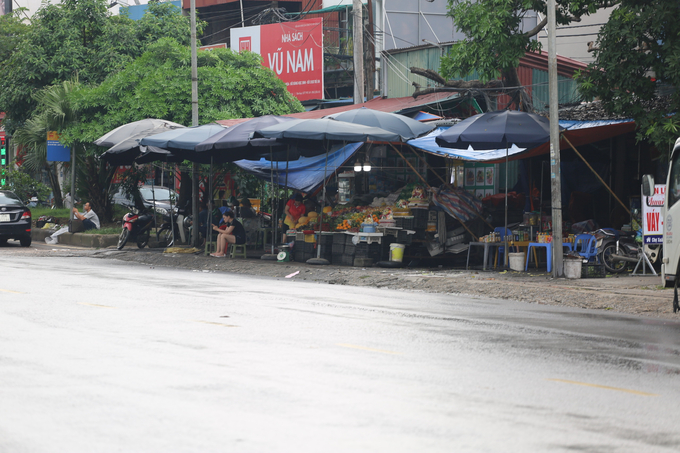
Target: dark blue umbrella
[[152, 154], [234, 143], [496, 130], [406, 127], [323, 131], [326, 130], [184, 139]]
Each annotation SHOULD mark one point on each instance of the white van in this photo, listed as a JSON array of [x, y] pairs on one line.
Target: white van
[[671, 222]]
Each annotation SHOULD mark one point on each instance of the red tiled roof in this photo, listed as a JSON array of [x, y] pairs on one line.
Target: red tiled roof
[[392, 105]]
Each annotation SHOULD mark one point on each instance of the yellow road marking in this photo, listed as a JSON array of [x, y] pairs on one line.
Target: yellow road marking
[[217, 323], [368, 349], [95, 305], [10, 291], [606, 387]]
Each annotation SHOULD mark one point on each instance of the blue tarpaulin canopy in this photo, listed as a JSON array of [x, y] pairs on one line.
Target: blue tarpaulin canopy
[[428, 143], [305, 174]]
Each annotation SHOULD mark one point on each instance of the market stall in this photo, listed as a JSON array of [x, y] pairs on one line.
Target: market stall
[[410, 223]]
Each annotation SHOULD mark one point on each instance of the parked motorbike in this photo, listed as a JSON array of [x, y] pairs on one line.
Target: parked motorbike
[[616, 249], [176, 227], [136, 227]]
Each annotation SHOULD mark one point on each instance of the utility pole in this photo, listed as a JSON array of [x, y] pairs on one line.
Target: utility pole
[[370, 53], [357, 10], [194, 121], [73, 189], [555, 177]]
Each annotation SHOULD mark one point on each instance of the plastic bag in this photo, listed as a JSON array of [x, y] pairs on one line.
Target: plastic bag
[[54, 239]]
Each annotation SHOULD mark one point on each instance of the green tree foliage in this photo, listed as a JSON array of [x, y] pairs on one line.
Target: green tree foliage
[[638, 56], [495, 41], [165, 20], [79, 38], [76, 39], [158, 85], [53, 113], [25, 186], [13, 27]]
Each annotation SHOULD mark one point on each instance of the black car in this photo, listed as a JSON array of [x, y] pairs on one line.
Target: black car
[[15, 219]]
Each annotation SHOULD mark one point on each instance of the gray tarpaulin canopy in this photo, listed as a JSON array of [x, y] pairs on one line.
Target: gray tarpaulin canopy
[[146, 126], [123, 141]]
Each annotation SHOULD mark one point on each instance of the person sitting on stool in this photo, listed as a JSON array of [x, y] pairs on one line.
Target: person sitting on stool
[[234, 233], [89, 218]]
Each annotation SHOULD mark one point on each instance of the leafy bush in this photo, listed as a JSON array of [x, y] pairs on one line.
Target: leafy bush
[[25, 187]]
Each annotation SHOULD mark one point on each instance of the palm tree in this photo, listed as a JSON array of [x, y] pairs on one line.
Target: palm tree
[[54, 112]]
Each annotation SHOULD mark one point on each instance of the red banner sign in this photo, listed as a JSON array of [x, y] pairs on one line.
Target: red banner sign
[[293, 50]]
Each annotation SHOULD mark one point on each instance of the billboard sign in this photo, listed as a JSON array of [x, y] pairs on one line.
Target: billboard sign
[[293, 50], [652, 215], [56, 152]]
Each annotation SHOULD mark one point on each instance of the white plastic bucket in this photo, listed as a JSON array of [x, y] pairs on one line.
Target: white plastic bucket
[[397, 252], [516, 261], [572, 268]]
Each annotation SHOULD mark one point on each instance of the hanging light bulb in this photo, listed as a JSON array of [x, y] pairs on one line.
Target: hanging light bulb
[[357, 166], [367, 165]]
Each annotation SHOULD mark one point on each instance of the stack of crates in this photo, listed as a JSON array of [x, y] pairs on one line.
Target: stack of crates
[[404, 237], [593, 270], [337, 248], [420, 218], [298, 251], [366, 250], [348, 254], [326, 242], [406, 222], [385, 246], [302, 251]]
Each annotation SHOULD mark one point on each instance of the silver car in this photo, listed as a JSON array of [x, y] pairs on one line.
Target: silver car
[[161, 195]]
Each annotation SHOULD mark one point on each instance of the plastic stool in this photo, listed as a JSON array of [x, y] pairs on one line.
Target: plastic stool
[[210, 246], [548, 253], [234, 250]]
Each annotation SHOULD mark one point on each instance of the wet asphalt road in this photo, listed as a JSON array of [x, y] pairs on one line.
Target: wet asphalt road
[[106, 356]]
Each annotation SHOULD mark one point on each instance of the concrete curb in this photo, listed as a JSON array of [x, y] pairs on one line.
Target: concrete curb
[[78, 239], [95, 241]]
